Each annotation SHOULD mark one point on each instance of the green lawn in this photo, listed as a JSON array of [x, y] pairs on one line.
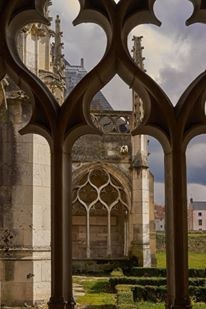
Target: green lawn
[[146, 305], [196, 260], [98, 295], [97, 299]]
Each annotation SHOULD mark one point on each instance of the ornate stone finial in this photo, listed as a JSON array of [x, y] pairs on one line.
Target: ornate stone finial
[[137, 52], [58, 57]]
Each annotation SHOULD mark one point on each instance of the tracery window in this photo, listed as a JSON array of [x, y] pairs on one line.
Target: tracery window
[[100, 208]]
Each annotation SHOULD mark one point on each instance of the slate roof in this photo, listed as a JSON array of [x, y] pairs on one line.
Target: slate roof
[[73, 74], [199, 205]]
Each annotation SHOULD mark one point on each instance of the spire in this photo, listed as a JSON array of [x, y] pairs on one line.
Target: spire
[[138, 108], [58, 57], [140, 142]]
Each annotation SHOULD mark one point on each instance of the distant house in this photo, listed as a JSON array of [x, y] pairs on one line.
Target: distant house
[[197, 216], [159, 218]]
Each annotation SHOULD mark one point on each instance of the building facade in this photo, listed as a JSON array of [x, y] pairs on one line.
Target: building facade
[[197, 218], [113, 207], [159, 218]]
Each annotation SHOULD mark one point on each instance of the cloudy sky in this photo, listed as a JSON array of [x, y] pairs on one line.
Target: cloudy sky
[[174, 55]]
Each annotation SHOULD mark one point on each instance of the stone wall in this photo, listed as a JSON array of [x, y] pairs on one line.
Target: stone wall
[[25, 210]]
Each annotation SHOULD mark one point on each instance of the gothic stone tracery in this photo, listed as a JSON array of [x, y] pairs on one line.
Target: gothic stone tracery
[[62, 125]]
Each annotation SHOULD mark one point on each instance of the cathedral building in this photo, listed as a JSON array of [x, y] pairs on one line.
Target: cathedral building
[[113, 206]]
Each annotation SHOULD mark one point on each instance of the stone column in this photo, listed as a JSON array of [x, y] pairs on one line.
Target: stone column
[[152, 221], [140, 246], [61, 226], [176, 227], [88, 234]]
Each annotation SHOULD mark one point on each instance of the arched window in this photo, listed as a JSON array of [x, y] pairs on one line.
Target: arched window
[[105, 219]]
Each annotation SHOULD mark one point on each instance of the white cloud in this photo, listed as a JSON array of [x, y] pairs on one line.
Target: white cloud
[[65, 8], [196, 155], [159, 193], [195, 191]]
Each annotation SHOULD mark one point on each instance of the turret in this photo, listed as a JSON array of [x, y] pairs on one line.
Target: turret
[[140, 145], [142, 246]]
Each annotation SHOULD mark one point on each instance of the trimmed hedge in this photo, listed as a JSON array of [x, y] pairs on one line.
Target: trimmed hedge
[[158, 293], [196, 241], [161, 272], [197, 273], [147, 272], [137, 281], [125, 297], [149, 293], [198, 294], [198, 282]]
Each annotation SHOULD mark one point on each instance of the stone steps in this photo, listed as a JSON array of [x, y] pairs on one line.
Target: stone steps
[[78, 290]]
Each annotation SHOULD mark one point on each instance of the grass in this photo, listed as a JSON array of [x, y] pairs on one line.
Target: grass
[[95, 285], [98, 299], [97, 291], [146, 305], [196, 260]]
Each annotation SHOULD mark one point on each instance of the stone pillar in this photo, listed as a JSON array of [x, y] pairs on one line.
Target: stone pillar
[[176, 227], [25, 210], [140, 246], [152, 221], [140, 216]]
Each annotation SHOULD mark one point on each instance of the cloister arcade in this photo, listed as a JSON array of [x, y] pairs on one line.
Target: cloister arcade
[[63, 124]]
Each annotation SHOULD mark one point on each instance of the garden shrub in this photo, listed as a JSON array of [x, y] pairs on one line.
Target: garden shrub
[[124, 296], [137, 281], [147, 272], [197, 273], [158, 293], [198, 294], [161, 272], [117, 272], [149, 293], [151, 281]]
